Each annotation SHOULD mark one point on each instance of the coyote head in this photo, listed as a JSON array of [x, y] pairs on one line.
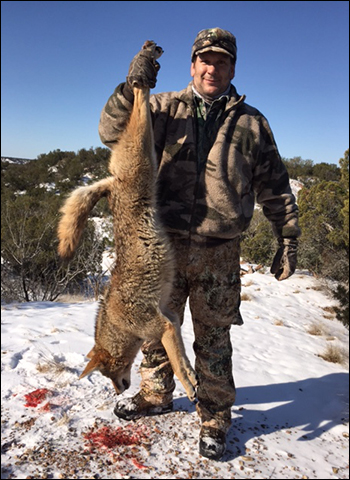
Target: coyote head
[[118, 370]]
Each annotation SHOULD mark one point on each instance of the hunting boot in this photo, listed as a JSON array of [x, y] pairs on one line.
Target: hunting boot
[[157, 386], [137, 407], [212, 436], [212, 443]]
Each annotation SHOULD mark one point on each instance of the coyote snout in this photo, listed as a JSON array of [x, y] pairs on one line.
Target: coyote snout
[[133, 309]]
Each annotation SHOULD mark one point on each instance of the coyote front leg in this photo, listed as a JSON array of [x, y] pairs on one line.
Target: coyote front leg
[[175, 349]]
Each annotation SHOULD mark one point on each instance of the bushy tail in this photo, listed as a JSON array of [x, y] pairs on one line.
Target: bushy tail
[[75, 214]]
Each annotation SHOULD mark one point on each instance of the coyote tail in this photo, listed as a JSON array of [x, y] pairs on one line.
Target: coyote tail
[[75, 214]]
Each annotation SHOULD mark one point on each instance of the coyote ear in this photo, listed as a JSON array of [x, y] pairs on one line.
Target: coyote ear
[[91, 353], [93, 365], [98, 360]]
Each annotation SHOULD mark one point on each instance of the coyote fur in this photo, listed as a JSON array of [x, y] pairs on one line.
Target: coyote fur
[[134, 307]]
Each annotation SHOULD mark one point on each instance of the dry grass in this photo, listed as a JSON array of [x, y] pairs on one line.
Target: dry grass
[[315, 329], [246, 298], [330, 313], [55, 368], [72, 298], [51, 366], [278, 323], [248, 283], [329, 310], [333, 354], [64, 420], [328, 317]]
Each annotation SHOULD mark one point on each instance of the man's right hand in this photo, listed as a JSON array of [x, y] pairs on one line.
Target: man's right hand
[[144, 67]]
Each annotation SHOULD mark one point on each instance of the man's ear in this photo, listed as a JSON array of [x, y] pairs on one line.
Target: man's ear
[[192, 69]]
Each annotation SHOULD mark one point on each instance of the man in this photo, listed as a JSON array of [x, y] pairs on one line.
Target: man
[[215, 154]]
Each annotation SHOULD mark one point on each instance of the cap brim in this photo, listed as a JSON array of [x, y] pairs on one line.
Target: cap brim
[[214, 49]]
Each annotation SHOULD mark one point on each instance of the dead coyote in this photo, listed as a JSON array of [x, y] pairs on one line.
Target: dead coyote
[[134, 307]]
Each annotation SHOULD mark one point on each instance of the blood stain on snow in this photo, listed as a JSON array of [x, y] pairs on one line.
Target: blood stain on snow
[[106, 437], [108, 440], [36, 397]]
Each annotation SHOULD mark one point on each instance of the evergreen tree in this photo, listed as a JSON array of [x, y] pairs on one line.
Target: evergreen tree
[[31, 268], [258, 243], [324, 244]]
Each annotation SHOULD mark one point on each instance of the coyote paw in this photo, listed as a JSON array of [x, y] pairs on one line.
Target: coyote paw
[[156, 50], [192, 385]]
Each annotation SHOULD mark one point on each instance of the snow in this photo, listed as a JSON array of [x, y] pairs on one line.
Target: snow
[[296, 186], [290, 419]]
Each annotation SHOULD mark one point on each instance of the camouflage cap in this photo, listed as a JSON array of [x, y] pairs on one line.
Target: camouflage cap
[[216, 40]]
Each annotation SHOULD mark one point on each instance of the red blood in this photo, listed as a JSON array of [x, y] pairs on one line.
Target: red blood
[[46, 408], [35, 398], [108, 438]]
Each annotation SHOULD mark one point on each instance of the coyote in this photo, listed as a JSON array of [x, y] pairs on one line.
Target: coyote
[[134, 307]]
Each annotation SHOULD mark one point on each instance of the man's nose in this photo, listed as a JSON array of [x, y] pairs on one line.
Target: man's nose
[[211, 69]]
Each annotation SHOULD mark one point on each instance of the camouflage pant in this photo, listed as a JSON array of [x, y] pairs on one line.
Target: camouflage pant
[[209, 276]]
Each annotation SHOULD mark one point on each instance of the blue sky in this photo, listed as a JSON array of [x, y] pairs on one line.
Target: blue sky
[[60, 61]]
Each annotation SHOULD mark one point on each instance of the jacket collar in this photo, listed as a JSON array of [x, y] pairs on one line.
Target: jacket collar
[[186, 96]]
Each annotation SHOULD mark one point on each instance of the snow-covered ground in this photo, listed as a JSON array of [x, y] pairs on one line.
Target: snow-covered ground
[[290, 419]]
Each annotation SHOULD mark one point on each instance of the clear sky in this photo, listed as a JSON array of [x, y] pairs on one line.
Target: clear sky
[[60, 61]]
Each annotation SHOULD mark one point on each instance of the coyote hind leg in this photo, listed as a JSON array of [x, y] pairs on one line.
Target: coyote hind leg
[[175, 349]]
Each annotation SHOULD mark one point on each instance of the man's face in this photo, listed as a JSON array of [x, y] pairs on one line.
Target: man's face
[[212, 73]]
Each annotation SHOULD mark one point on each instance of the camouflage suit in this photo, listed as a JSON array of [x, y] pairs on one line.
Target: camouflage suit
[[212, 165]]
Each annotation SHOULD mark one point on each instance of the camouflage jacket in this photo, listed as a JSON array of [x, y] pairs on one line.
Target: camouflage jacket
[[215, 200]]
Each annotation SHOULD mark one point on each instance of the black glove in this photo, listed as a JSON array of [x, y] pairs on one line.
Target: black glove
[[285, 261], [144, 67]]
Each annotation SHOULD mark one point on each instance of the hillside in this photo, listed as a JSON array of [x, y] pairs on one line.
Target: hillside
[[57, 171], [290, 420], [15, 160], [32, 194]]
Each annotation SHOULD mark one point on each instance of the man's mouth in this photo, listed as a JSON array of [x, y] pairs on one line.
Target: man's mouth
[[211, 81]]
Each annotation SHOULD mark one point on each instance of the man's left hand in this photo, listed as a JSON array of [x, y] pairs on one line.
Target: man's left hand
[[285, 261]]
